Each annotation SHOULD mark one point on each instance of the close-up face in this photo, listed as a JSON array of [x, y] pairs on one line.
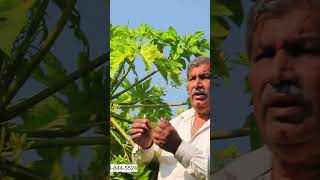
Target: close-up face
[[284, 76], [199, 87]]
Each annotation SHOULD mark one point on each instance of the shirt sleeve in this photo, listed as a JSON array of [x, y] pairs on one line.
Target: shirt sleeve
[[195, 160], [141, 155]]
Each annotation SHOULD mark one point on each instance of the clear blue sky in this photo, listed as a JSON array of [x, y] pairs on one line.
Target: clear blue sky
[[186, 16]]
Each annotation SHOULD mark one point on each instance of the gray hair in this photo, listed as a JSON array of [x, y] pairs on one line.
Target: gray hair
[[197, 62], [277, 8]]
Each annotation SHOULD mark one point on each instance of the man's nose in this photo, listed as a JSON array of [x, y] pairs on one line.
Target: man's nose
[[199, 82], [283, 68]]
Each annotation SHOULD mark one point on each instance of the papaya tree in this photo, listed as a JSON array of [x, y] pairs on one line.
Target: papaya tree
[[69, 114], [135, 94]]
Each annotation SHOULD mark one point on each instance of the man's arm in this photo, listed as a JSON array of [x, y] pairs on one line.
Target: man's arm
[[195, 160], [141, 155]]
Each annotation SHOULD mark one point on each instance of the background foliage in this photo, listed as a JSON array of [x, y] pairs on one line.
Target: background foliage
[[223, 14], [132, 96], [65, 116]]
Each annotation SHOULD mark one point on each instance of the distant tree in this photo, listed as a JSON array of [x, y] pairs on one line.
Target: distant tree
[[54, 121], [222, 13]]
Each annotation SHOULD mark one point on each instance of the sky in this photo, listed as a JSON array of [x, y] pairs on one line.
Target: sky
[[186, 16]]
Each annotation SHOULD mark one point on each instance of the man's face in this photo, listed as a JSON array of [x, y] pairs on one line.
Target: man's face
[[285, 82], [199, 87]]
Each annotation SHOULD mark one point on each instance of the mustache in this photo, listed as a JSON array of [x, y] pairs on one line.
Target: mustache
[[285, 88], [199, 90], [291, 89]]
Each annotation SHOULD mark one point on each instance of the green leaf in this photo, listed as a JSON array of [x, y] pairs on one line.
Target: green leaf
[[54, 68], [231, 8], [223, 156], [122, 48], [255, 139], [220, 27], [220, 9], [173, 33], [83, 61], [149, 53], [15, 15], [50, 114], [51, 163], [218, 65], [7, 4]]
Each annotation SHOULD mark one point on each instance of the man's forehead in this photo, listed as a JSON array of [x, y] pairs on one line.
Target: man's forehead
[[203, 73], [301, 25], [204, 65], [203, 68]]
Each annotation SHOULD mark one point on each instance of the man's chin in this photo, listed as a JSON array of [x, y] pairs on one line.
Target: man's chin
[[294, 155], [200, 102], [293, 152], [205, 109]]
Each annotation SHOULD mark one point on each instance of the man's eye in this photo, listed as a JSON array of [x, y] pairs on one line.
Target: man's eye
[[205, 77], [306, 51], [307, 47], [264, 55], [192, 78]]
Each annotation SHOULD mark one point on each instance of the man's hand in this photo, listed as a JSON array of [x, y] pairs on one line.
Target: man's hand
[[166, 136], [141, 132]]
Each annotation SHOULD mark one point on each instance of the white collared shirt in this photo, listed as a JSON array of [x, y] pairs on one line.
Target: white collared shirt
[[191, 160], [255, 165]]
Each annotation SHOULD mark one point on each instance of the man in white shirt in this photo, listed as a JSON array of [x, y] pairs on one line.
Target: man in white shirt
[[182, 146], [283, 43]]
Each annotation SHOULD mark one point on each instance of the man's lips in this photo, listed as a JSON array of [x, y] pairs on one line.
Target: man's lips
[[286, 108], [199, 96]]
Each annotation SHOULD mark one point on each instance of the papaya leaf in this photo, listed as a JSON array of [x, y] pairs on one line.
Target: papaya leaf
[[15, 13], [51, 113], [232, 9]]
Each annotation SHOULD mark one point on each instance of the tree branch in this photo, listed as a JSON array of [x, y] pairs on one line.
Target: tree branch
[[229, 134], [59, 133], [52, 37], [72, 141], [116, 138], [28, 36], [31, 32], [116, 85], [128, 103], [121, 131], [153, 105], [120, 117], [15, 110], [121, 68], [135, 84]]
